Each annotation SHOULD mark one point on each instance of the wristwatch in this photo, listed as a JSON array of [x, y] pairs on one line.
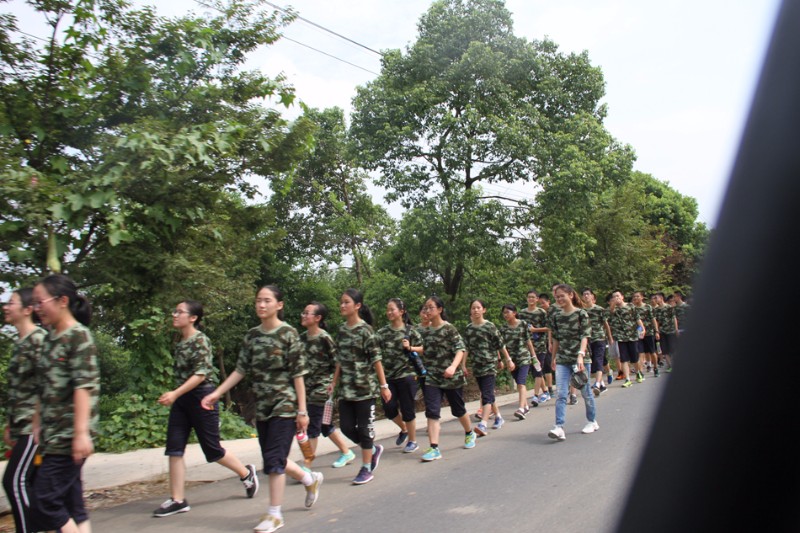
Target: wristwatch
[[302, 413]]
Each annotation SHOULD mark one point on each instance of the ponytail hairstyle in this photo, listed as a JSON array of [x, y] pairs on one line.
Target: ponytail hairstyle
[[60, 285], [401, 306], [573, 296], [195, 308], [26, 299], [438, 302], [364, 311], [321, 310], [277, 293]]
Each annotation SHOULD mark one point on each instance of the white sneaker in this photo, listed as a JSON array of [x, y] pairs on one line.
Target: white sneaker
[[268, 524], [557, 433], [590, 427]]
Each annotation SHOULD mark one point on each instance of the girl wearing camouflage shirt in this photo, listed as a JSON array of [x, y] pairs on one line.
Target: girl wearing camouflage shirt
[[518, 342], [394, 340], [19, 431], [321, 362], [486, 352], [359, 374], [69, 386], [571, 330], [194, 375], [273, 355], [443, 355]]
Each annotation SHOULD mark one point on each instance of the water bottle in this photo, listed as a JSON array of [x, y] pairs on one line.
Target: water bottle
[[639, 331], [416, 361], [658, 347], [327, 413], [305, 446]]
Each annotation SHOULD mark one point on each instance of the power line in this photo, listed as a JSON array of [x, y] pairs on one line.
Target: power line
[[327, 30], [329, 55]]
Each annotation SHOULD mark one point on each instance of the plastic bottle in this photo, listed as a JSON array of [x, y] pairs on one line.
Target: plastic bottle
[[327, 413], [639, 331], [305, 446]]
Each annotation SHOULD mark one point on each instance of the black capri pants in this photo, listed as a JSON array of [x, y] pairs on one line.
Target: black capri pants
[[403, 392], [357, 420], [433, 401], [187, 414]]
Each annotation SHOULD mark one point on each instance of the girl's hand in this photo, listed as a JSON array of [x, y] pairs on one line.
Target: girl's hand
[[209, 401], [511, 365], [82, 447], [301, 422], [168, 398], [386, 395], [450, 371]]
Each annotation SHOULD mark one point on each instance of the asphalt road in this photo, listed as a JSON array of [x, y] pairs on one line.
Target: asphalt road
[[516, 477]]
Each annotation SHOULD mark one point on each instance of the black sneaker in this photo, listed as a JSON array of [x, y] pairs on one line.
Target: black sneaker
[[250, 481], [171, 507], [573, 399], [401, 438]]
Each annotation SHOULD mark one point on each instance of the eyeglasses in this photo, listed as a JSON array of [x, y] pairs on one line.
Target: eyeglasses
[[37, 305], [308, 314], [178, 312], [428, 308]]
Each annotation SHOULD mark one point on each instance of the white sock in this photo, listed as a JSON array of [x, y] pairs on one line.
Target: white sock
[[275, 510], [307, 479]]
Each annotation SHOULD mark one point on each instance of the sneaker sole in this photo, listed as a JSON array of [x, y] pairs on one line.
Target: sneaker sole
[[316, 492], [187, 508], [479, 432], [410, 451], [252, 492], [429, 459], [363, 482], [520, 416], [555, 437]]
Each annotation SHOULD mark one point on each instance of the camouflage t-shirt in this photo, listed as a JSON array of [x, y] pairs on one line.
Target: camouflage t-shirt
[[321, 363], [483, 343], [516, 341], [441, 346], [273, 359], [665, 316], [597, 316], [681, 311], [358, 353], [568, 330], [22, 387], [645, 314], [68, 362], [538, 319], [194, 357], [395, 361], [623, 323]]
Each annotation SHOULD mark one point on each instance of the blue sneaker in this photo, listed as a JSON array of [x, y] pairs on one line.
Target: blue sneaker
[[480, 429], [544, 397], [401, 438], [610, 379], [469, 440], [364, 476], [411, 447], [498, 423], [376, 457], [344, 459], [431, 454]]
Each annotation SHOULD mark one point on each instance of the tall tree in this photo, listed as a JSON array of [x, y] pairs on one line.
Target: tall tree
[[469, 103]]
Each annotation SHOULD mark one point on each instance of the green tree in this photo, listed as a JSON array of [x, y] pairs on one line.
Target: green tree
[[471, 104]]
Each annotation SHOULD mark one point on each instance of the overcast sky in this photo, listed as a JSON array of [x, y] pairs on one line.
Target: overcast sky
[[679, 74]]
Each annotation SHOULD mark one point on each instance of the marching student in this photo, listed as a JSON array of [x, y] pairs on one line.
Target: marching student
[[69, 388], [359, 374], [273, 355], [517, 339], [600, 335], [19, 433], [195, 377], [571, 330]]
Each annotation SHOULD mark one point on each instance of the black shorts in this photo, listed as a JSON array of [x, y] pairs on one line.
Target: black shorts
[[433, 401], [486, 384], [402, 402], [649, 342], [275, 439], [520, 374], [628, 351], [597, 350], [58, 493], [187, 414], [315, 425], [667, 341], [547, 362]]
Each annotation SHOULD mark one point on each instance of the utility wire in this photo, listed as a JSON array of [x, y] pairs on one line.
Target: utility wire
[[279, 8], [329, 55]]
